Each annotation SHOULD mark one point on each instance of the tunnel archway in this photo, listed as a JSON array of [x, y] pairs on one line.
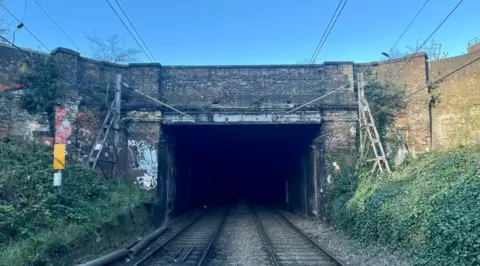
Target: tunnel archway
[[263, 164]]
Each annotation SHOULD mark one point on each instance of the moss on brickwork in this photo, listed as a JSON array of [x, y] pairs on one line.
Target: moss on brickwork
[[428, 209]]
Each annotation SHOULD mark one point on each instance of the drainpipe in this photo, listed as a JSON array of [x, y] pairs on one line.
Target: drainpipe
[[430, 117]]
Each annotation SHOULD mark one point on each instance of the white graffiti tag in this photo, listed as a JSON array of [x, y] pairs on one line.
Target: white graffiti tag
[[146, 181], [144, 157]]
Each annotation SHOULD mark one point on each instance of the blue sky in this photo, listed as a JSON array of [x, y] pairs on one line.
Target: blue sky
[[210, 32]]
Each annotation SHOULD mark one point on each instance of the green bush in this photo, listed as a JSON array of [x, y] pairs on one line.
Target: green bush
[[430, 208], [38, 220]]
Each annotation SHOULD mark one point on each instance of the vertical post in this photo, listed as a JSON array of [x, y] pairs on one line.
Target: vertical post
[[286, 194], [315, 184], [118, 102], [305, 197], [360, 95]]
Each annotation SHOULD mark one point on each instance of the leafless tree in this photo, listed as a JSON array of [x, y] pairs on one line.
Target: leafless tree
[[4, 25], [433, 50], [111, 49]]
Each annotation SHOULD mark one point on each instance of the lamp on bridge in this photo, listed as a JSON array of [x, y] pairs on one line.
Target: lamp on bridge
[[19, 26]]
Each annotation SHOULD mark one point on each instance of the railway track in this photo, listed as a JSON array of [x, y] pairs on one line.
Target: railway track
[[188, 245], [287, 244], [239, 241], [273, 240]]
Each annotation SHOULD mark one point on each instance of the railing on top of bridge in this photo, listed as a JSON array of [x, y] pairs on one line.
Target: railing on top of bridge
[[474, 41]]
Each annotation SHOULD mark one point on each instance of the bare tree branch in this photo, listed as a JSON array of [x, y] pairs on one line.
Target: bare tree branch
[[110, 48]]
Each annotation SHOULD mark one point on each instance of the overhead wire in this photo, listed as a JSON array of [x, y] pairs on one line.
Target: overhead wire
[[410, 24], [438, 80], [430, 36], [24, 26], [317, 51], [60, 76], [138, 34], [24, 10], [330, 30], [129, 31], [325, 32], [56, 24]]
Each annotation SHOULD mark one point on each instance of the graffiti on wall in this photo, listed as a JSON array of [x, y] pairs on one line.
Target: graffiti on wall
[[63, 127], [9, 86], [144, 157]]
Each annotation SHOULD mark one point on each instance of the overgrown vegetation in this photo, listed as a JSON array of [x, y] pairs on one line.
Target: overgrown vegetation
[[40, 87], [386, 101], [39, 221], [429, 209]]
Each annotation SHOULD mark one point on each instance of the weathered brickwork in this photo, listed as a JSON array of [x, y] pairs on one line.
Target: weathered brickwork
[[250, 86], [456, 119], [414, 119]]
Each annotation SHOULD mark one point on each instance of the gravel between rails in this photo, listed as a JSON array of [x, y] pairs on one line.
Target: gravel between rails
[[239, 241], [340, 245]]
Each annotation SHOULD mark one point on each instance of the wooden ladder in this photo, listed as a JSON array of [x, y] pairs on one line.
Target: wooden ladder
[[101, 138], [368, 130], [112, 120]]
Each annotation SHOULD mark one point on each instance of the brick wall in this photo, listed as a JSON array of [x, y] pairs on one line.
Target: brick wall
[[247, 86], [456, 119], [414, 119]]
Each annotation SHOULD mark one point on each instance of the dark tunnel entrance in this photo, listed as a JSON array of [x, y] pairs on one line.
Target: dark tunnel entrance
[[220, 164]]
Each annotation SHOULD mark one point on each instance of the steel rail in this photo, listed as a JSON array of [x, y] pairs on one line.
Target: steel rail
[[265, 237], [336, 260], [148, 255], [205, 251]]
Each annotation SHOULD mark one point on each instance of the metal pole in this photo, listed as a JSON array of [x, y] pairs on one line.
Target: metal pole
[[305, 187], [315, 183]]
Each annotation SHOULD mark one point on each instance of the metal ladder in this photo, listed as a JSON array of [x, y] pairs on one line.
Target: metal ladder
[[369, 130]]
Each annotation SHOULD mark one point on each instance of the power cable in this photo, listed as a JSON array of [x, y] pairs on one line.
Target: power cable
[[86, 92], [330, 30], [325, 32], [60, 76], [431, 35], [436, 81], [133, 36], [410, 24], [24, 10], [56, 24], [157, 101], [11, 14], [317, 99], [131, 24], [317, 51]]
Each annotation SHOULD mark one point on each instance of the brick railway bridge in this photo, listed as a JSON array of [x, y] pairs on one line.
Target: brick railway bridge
[[240, 140]]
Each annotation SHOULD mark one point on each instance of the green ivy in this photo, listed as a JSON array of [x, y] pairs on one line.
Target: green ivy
[[34, 215], [40, 85], [386, 100], [429, 208]]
